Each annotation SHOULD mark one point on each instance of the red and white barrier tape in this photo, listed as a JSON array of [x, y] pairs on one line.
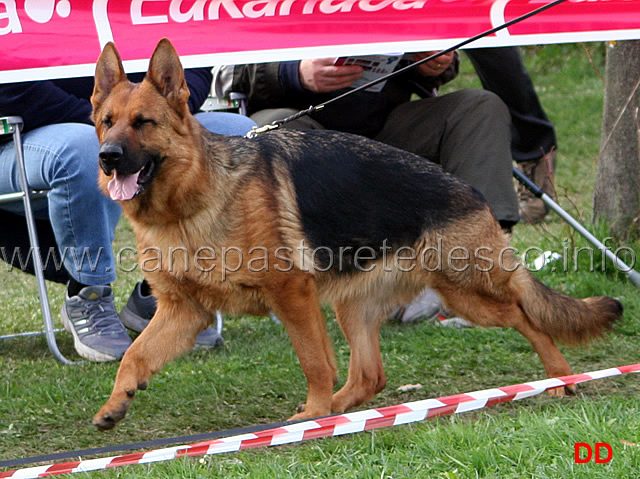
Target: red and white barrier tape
[[329, 426]]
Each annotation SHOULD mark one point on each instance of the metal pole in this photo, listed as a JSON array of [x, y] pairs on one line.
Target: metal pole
[[634, 276]]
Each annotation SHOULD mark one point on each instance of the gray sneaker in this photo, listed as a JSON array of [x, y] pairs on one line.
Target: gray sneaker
[[425, 305], [139, 310], [91, 317]]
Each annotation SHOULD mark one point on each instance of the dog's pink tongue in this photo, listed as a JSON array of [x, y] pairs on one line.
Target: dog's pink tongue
[[123, 187]]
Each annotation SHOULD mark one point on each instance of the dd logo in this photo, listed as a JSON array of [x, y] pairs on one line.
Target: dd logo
[[589, 454]]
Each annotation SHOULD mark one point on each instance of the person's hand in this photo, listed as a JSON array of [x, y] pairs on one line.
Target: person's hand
[[322, 76], [436, 66]]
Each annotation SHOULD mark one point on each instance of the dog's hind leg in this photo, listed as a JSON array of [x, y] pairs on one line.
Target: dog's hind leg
[[555, 364], [361, 326], [171, 332], [295, 302], [507, 313]]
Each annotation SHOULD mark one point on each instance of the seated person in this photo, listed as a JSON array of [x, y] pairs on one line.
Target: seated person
[[61, 155]]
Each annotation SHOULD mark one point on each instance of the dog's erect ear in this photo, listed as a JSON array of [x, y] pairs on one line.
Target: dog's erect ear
[[109, 72], [167, 75]]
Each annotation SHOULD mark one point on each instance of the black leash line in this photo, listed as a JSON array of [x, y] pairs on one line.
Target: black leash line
[[276, 124]]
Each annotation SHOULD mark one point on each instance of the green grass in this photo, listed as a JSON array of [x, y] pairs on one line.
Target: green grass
[[46, 407]]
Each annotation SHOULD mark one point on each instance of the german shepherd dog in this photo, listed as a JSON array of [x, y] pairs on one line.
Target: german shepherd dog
[[290, 219]]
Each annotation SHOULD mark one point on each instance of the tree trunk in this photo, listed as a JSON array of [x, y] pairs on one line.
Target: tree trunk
[[616, 197]]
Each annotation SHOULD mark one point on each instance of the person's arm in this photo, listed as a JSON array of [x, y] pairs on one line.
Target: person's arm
[[258, 81], [270, 85], [321, 75], [42, 103]]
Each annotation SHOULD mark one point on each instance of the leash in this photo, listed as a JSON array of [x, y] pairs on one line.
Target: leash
[[255, 131]]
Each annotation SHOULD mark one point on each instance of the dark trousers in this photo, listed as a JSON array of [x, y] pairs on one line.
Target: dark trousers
[[502, 72], [467, 132]]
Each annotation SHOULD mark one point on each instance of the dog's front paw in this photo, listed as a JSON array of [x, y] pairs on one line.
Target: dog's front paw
[[107, 418]]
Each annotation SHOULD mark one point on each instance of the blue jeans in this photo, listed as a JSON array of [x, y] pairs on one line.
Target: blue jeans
[[64, 159]]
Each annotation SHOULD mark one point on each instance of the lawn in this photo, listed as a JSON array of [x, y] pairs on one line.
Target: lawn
[[46, 407]]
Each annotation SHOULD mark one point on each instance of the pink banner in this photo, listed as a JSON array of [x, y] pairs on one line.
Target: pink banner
[[62, 38]]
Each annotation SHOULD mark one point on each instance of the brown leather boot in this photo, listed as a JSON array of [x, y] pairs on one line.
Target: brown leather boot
[[540, 171]]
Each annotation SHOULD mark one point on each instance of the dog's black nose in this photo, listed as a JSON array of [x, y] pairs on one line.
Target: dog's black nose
[[110, 154]]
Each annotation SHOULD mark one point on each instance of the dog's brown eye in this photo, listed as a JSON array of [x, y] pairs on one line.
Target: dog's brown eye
[[107, 122]]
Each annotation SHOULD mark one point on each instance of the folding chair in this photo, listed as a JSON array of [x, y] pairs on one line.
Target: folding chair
[[13, 125], [235, 102]]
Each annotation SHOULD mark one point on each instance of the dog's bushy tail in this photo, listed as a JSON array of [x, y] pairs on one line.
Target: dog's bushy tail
[[567, 319]]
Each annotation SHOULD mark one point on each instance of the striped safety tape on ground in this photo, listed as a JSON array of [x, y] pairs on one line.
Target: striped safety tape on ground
[[329, 426]]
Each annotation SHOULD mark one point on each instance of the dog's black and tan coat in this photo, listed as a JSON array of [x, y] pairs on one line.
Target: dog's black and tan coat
[[289, 220]]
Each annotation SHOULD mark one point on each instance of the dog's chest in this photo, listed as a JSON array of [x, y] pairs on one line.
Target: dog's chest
[[194, 265]]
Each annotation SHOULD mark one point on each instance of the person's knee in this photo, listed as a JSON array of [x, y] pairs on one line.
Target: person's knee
[[74, 153], [79, 141], [226, 123], [485, 102]]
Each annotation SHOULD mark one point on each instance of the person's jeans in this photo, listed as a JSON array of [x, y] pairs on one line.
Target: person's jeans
[[63, 158]]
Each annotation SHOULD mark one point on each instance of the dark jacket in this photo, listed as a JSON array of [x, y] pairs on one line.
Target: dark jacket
[[277, 85], [47, 102]]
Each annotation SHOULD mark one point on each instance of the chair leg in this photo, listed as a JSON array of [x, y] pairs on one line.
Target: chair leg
[[14, 124]]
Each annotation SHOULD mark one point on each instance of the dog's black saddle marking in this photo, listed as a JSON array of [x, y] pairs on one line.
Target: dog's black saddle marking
[[353, 193]]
